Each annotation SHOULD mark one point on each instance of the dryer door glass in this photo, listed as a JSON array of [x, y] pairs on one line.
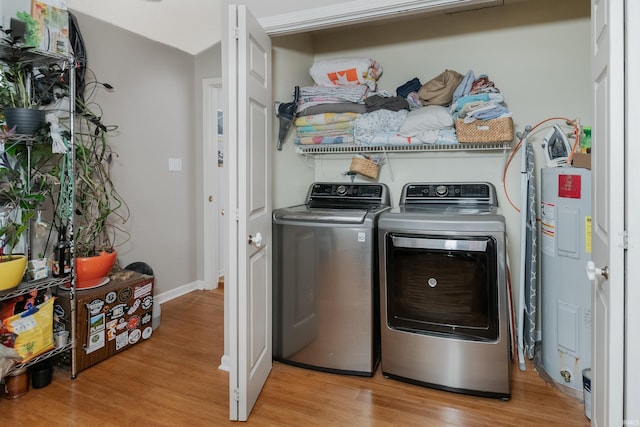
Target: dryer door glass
[[442, 285]]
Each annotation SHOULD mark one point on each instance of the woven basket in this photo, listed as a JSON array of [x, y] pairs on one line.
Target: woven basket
[[494, 130], [364, 167]]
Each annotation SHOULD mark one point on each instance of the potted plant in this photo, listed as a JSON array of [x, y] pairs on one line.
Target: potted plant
[[21, 88], [99, 210]]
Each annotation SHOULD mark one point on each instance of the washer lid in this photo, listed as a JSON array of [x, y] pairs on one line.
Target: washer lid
[[303, 213]]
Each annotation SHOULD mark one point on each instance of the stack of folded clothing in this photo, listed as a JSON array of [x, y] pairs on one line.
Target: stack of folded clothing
[[327, 111], [325, 128], [478, 99], [479, 111]]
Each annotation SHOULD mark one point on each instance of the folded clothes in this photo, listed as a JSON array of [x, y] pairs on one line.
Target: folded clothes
[[446, 136], [370, 124], [325, 128], [346, 93], [483, 110], [334, 107], [393, 103], [483, 85], [325, 118], [464, 87], [412, 85], [389, 138], [315, 140]]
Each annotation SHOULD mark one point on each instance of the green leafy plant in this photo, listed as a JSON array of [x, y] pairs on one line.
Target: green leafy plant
[[99, 210], [23, 84], [20, 196]]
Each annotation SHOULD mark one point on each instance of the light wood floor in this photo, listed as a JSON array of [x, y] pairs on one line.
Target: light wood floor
[[173, 380]]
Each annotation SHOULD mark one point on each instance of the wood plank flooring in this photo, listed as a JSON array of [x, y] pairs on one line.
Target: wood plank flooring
[[173, 380]]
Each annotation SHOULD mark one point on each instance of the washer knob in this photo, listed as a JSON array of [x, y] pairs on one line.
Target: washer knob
[[341, 190], [442, 190]]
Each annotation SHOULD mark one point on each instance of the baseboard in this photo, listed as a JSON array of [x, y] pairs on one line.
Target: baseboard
[[178, 292]]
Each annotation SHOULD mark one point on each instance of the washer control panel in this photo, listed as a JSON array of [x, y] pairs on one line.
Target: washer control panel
[[329, 193]]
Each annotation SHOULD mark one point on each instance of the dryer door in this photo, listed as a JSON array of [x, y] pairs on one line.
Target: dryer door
[[443, 285]]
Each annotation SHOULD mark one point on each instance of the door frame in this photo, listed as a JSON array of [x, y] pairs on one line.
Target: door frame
[[632, 203], [211, 103], [362, 11]]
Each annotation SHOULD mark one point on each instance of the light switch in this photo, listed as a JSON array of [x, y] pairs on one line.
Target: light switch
[[175, 165]]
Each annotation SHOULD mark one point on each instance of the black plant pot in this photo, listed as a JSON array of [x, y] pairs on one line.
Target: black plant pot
[[41, 374], [27, 120]]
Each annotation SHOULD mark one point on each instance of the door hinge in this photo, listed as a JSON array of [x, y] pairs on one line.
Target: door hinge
[[236, 395], [236, 213], [236, 33], [625, 240]]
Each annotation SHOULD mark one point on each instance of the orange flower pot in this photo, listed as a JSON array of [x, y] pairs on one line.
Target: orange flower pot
[[91, 271]]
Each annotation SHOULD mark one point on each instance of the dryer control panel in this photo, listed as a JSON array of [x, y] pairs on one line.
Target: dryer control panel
[[478, 193]]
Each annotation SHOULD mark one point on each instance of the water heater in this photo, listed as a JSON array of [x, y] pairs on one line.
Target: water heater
[[565, 247]]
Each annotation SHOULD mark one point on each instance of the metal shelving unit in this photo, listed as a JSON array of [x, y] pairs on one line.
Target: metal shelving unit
[[39, 58]]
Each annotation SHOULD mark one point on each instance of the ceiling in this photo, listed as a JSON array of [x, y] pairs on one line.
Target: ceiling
[[189, 25], [194, 25]]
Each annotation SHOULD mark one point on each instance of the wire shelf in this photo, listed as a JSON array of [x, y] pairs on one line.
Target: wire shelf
[[36, 285], [353, 148], [35, 56], [46, 355]]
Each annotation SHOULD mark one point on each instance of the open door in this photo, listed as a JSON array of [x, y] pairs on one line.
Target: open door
[[608, 229], [248, 123]]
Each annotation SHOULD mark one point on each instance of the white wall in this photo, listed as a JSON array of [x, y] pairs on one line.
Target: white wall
[[292, 57], [537, 53], [153, 105]]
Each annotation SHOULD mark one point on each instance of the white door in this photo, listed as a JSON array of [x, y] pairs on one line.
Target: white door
[[247, 57], [607, 67]]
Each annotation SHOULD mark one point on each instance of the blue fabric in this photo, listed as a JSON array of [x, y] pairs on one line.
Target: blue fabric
[[472, 98], [412, 85], [465, 86]]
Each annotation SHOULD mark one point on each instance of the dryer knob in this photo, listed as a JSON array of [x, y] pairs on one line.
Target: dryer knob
[[341, 190], [442, 190]]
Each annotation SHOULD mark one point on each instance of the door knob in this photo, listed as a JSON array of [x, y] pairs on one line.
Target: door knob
[[255, 240], [592, 271]]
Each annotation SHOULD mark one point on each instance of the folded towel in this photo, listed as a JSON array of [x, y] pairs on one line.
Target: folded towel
[[325, 119], [316, 140]]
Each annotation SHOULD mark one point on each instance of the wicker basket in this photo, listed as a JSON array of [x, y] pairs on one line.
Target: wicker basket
[[494, 130], [364, 167]]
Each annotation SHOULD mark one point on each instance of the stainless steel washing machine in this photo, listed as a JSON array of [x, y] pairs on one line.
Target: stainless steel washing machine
[[444, 297], [325, 279]]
